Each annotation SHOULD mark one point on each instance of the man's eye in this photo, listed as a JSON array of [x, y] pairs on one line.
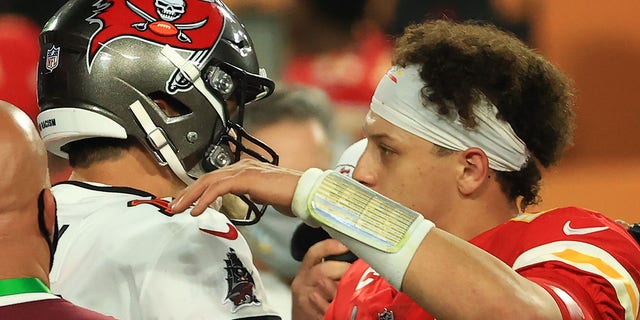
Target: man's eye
[[385, 150]]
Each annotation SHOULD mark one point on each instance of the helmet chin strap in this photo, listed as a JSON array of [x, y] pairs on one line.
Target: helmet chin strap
[[159, 141]]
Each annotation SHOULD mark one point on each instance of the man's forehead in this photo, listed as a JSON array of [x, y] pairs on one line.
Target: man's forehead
[[377, 128]]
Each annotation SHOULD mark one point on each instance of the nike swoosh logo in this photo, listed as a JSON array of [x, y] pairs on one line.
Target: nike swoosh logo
[[568, 230], [232, 234]]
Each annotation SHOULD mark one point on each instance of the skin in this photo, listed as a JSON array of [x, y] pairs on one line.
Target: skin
[[458, 192], [315, 283], [310, 146], [450, 188], [24, 250], [136, 168]]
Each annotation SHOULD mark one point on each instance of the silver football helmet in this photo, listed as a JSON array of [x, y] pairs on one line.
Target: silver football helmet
[[104, 64]]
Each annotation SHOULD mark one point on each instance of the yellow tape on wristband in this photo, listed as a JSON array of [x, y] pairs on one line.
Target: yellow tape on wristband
[[347, 206]]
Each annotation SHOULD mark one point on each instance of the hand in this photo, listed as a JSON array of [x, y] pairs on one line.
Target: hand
[[316, 283], [264, 183]]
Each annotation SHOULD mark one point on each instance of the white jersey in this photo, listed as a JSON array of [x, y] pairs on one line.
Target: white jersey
[[122, 253]]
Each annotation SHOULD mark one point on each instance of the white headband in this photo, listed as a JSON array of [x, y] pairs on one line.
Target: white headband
[[398, 100]]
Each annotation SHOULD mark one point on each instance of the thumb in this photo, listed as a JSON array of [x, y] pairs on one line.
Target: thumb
[[320, 250]]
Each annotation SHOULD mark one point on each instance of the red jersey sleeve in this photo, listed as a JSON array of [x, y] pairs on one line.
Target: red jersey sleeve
[[587, 262]]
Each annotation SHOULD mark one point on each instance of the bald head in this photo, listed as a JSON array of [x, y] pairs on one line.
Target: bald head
[[23, 158]]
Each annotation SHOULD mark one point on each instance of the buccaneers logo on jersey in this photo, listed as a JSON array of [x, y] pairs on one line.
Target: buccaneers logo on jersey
[[240, 283], [187, 25]]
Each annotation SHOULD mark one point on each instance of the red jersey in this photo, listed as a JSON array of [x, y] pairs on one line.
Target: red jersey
[[587, 262]]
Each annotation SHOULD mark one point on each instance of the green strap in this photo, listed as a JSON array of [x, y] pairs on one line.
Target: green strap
[[22, 285]]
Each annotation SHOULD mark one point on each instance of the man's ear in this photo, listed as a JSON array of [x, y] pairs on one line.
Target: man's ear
[[475, 171], [49, 211]]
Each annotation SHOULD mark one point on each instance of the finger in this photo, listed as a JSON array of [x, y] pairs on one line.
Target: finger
[[212, 185], [311, 300], [319, 303], [302, 308], [246, 177], [213, 191], [333, 270], [196, 197], [185, 198], [203, 192], [325, 280], [239, 180], [301, 302], [322, 249], [176, 203]]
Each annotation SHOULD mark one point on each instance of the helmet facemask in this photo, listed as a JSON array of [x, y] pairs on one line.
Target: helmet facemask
[[229, 149], [228, 82], [240, 209]]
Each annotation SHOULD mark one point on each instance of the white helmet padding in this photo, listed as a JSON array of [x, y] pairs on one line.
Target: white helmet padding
[[62, 125]]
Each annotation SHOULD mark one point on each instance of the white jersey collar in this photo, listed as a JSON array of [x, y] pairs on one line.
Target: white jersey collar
[[25, 297]]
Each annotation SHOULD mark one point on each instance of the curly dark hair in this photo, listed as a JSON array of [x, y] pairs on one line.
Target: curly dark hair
[[462, 62]]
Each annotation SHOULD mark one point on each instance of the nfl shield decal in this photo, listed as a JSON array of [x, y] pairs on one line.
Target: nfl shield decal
[[53, 56]]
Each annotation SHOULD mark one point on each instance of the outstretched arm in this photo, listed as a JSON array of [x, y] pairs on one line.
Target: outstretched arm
[[445, 275], [263, 182]]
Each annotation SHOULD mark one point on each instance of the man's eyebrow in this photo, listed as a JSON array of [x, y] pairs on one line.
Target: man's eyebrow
[[380, 136]]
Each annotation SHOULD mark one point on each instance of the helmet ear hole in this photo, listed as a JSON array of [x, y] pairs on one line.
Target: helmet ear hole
[[169, 105]]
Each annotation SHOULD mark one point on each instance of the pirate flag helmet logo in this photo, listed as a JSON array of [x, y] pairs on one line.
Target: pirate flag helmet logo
[[195, 27], [241, 287], [159, 71]]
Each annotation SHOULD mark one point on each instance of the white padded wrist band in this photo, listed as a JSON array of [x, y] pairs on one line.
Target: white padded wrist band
[[301, 195], [391, 266], [381, 231]]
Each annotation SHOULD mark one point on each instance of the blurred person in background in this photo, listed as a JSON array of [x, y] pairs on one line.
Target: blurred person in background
[[344, 47], [339, 47], [297, 122]]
